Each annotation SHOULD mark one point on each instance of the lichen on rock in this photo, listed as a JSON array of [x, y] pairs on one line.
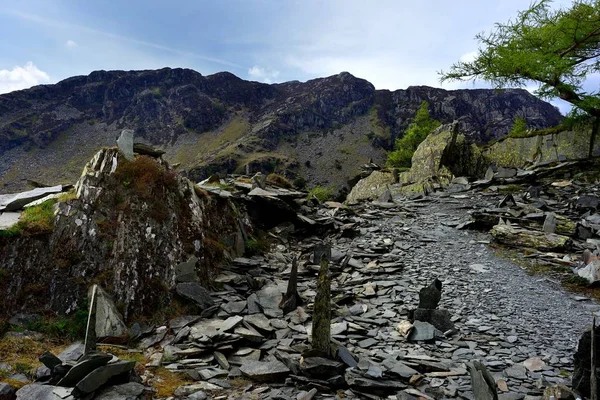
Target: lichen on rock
[[130, 225]]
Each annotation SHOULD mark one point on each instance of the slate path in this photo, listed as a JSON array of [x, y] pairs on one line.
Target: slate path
[[523, 328], [504, 316]]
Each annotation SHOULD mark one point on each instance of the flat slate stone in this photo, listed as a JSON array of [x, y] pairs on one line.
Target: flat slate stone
[[101, 375], [87, 364], [37, 392], [16, 201], [195, 292], [422, 331], [265, 371]]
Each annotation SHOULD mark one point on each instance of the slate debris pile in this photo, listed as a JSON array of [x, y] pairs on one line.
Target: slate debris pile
[[75, 375], [552, 210], [387, 283]]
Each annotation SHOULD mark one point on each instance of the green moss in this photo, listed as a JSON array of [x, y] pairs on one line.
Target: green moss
[[34, 220], [320, 193]]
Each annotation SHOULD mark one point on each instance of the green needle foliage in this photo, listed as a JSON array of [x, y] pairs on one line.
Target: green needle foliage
[[556, 48], [417, 131]]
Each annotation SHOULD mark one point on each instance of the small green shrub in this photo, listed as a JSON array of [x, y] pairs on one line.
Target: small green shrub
[[71, 327], [577, 280], [519, 128], [417, 131], [156, 92], [321, 193]]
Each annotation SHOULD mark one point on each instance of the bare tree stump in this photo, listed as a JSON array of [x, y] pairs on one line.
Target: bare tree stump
[[291, 299], [321, 330]]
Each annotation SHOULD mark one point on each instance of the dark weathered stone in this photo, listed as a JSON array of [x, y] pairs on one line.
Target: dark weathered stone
[[582, 363], [588, 201], [86, 364], [357, 381], [100, 376], [322, 368], [49, 360], [344, 355], [429, 297], [483, 384], [440, 319], [291, 299], [144, 149], [7, 392], [321, 329], [193, 291]]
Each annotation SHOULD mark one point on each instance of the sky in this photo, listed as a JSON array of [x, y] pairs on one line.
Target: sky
[[391, 43]]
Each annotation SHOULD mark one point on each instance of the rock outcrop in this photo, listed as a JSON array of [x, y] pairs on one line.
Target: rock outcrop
[[220, 123], [127, 227], [541, 149], [443, 155]]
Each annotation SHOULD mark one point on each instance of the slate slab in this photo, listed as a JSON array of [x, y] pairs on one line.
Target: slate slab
[[100, 376], [195, 292], [265, 371]]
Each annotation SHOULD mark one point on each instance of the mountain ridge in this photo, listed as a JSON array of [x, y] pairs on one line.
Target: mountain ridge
[[222, 123]]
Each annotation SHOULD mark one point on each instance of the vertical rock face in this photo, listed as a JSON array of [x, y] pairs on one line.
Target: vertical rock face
[[130, 225]]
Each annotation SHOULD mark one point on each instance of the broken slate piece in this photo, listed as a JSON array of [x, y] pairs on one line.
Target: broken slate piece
[[422, 331], [193, 291], [100, 376]]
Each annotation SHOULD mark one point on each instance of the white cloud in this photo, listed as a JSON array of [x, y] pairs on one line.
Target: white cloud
[[71, 44], [21, 77], [265, 75], [468, 57]]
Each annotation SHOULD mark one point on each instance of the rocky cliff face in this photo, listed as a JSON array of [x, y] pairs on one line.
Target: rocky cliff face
[[323, 129], [127, 228]]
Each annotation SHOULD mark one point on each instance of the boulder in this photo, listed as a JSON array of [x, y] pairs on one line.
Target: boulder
[[371, 187]]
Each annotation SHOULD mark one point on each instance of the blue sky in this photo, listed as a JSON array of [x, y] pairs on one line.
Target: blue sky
[[393, 44]]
